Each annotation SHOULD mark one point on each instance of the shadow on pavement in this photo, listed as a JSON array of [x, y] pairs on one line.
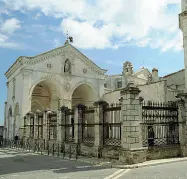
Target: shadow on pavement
[[16, 164]]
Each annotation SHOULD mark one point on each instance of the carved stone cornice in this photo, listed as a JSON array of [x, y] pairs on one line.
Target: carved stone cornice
[[26, 72], [67, 51]]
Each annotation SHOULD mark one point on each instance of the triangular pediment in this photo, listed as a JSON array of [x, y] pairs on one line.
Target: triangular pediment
[[66, 51]]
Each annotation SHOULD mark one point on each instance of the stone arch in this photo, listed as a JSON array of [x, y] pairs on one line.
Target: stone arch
[[84, 93], [52, 80], [45, 94]]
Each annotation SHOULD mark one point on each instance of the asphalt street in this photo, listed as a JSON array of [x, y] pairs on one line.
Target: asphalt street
[[16, 164]]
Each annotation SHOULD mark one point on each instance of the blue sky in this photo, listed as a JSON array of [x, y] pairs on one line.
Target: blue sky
[[141, 31]]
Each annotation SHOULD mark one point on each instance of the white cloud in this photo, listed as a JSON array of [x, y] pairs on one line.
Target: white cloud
[[10, 26], [37, 16], [7, 28], [111, 24], [56, 42]]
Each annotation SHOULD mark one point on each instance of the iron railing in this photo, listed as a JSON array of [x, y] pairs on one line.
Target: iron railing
[[160, 125], [112, 125]]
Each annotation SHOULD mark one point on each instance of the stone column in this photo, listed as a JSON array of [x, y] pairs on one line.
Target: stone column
[[98, 120], [131, 138], [62, 122], [182, 118], [78, 123], [45, 125], [183, 27], [59, 126], [27, 127], [35, 126]]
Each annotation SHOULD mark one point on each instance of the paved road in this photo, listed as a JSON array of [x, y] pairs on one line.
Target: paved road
[[15, 164]]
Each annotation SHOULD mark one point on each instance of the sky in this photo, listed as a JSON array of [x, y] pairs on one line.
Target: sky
[[109, 32]]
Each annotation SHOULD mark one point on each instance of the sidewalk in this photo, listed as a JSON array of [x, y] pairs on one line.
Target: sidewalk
[[151, 163]]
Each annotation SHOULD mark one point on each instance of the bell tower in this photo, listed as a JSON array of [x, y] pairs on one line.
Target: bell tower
[[183, 27]]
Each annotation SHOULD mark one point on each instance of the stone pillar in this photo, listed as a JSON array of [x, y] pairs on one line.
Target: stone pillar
[[182, 118], [78, 123], [183, 27], [131, 138], [62, 122], [98, 120], [27, 127], [59, 126], [35, 126], [45, 125]]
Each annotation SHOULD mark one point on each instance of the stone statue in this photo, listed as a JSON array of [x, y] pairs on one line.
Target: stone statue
[[67, 66]]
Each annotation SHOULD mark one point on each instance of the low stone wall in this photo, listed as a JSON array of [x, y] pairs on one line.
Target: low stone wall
[[163, 152], [86, 150], [111, 152], [133, 156]]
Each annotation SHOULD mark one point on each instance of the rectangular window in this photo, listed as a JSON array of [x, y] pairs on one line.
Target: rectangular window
[[119, 84], [105, 85]]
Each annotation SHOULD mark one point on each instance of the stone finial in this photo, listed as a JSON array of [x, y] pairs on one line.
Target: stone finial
[[130, 88], [184, 5], [154, 69], [66, 42]]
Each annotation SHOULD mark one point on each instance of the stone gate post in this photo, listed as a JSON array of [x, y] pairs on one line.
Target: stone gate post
[[59, 126], [62, 116], [131, 138], [98, 120], [182, 118]]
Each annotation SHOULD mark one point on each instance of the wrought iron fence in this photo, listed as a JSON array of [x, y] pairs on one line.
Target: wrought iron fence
[[52, 125], [160, 125], [88, 126], [112, 125], [39, 125], [69, 125]]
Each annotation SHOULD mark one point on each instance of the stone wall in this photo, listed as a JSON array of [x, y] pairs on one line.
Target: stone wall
[[154, 91], [111, 152], [163, 152], [90, 151]]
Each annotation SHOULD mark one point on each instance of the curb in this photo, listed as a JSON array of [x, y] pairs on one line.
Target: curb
[[141, 165], [110, 165]]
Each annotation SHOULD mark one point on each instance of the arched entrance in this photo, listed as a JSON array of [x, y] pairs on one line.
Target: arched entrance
[[46, 94], [84, 94]]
